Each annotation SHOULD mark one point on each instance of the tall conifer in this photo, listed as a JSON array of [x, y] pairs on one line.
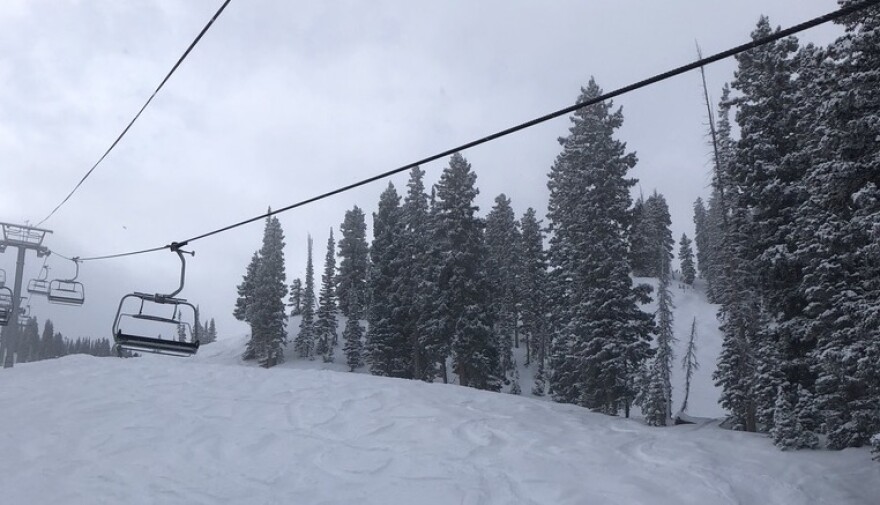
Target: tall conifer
[[463, 292], [601, 335], [354, 260], [326, 325], [304, 343], [266, 313]]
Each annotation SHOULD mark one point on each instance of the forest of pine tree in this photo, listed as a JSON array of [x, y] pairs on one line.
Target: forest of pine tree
[[787, 243], [34, 345]]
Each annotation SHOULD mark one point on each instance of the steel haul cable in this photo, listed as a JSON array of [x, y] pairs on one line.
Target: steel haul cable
[[136, 116], [561, 112]]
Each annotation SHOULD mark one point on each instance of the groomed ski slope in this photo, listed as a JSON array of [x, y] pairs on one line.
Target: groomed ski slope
[[83, 430]]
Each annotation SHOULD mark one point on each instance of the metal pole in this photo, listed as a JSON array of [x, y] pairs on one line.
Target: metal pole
[[13, 331]]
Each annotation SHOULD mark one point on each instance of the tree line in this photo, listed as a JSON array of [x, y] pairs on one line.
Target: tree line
[[446, 293], [789, 240], [787, 244], [36, 346]]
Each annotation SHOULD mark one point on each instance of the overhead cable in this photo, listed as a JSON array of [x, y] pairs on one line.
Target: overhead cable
[[845, 11], [136, 116]]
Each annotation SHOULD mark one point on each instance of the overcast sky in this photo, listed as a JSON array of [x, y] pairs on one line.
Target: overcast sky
[[283, 100]]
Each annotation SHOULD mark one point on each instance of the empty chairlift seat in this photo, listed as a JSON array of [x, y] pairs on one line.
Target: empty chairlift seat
[[175, 329], [174, 321], [40, 285], [66, 292]]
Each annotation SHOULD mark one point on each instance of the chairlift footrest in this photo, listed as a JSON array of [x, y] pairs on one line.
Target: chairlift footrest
[[155, 345]]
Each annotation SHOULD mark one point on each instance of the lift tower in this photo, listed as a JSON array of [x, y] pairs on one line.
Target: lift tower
[[22, 237]]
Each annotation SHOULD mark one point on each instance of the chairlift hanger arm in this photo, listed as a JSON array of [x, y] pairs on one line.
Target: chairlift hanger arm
[[176, 248]]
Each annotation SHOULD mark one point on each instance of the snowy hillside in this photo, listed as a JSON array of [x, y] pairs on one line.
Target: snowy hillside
[[690, 303], [83, 430]]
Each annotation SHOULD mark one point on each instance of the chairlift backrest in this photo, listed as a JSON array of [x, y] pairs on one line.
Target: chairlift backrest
[[38, 287], [66, 292]]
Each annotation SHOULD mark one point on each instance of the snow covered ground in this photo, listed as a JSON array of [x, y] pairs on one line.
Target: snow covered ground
[[83, 430]]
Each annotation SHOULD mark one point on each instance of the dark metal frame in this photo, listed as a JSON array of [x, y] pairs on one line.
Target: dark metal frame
[[139, 343], [40, 285], [67, 291]]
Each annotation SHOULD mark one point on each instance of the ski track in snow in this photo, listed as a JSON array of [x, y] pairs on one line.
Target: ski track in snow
[[84, 430]]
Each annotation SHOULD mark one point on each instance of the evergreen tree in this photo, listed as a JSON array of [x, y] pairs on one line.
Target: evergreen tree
[[325, 326], [434, 338], [701, 237], [689, 364], [532, 283], [659, 241], [304, 343], [515, 388], [463, 291], [650, 236], [839, 225], [389, 352], [246, 289], [296, 298], [414, 280], [761, 191], [718, 247], [502, 238], [788, 430], [686, 258], [640, 257], [246, 296], [59, 345], [728, 285], [46, 341], [353, 334], [210, 332], [768, 378], [657, 402], [29, 341], [354, 260], [784, 426], [266, 313], [601, 336], [717, 243], [737, 363], [539, 388]]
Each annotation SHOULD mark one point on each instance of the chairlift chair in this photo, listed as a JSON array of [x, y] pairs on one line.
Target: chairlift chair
[[5, 306], [40, 285], [67, 291], [183, 314]]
